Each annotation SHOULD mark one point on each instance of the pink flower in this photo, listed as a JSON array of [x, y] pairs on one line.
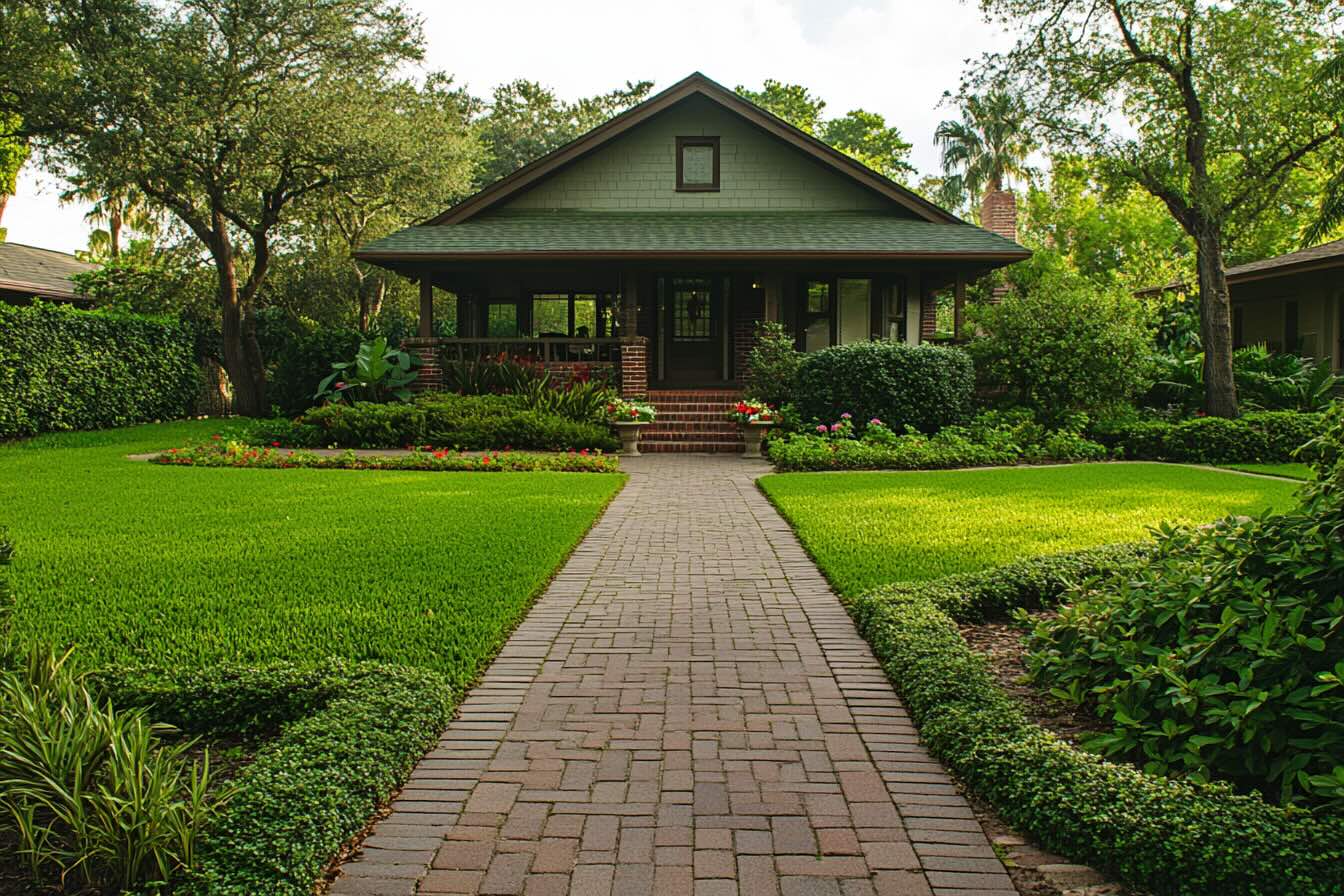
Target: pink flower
[[835, 427], [874, 422], [821, 427], [340, 386], [846, 416]]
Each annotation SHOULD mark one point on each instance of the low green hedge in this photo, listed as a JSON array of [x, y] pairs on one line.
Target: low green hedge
[[339, 740], [63, 368], [1259, 437], [444, 420], [1172, 838]]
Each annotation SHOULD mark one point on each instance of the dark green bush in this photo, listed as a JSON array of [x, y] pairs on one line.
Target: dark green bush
[[1260, 437], [62, 368], [298, 358], [283, 431], [367, 424], [349, 735], [772, 365], [926, 386]]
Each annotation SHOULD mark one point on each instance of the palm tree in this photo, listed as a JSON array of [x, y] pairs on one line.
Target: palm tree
[[1331, 214], [989, 145], [116, 208]]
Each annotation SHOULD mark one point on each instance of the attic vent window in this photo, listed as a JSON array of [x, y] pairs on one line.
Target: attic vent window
[[697, 164]]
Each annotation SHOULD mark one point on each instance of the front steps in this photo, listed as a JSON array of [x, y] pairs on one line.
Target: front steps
[[692, 421]]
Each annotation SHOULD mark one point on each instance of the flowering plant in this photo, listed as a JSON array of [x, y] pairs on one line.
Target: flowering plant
[[749, 411], [841, 429], [621, 411]]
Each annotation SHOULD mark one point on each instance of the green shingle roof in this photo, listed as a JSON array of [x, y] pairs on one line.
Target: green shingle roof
[[28, 270], [662, 233]]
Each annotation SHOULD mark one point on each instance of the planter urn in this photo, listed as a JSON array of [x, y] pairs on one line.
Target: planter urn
[[752, 433], [629, 435]]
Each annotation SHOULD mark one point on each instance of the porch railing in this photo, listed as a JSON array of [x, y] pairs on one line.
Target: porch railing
[[548, 349]]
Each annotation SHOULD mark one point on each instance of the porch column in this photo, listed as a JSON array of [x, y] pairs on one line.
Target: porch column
[[426, 307], [959, 306], [928, 311]]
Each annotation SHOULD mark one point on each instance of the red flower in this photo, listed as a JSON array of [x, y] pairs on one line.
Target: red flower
[[216, 437], [275, 444]]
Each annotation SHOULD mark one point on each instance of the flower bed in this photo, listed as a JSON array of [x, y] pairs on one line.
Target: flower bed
[[220, 453]]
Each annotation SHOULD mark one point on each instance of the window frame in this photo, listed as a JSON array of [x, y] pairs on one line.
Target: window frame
[[682, 186]]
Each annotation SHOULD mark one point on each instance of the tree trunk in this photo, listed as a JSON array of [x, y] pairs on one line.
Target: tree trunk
[[1215, 323], [114, 226], [238, 330], [4, 201]]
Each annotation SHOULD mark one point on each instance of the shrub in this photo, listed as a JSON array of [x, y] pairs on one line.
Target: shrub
[[1063, 345], [773, 364], [1265, 380], [378, 373], [1260, 437], [367, 424], [90, 796], [349, 734], [63, 368], [924, 386], [298, 358], [282, 431]]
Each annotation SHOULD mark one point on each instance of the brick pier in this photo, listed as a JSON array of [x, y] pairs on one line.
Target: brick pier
[[686, 710]]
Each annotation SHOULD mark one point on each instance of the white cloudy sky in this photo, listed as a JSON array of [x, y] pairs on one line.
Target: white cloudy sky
[[895, 57]]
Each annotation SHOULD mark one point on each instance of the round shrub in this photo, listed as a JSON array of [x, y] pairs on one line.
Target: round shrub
[[926, 386]]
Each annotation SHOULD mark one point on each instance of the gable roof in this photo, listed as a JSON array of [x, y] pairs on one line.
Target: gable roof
[[695, 84], [1322, 257], [39, 272]]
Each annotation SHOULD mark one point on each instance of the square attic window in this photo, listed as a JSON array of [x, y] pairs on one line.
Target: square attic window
[[698, 164]]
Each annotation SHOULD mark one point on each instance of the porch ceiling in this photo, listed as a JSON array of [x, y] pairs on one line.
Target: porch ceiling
[[654, 234]]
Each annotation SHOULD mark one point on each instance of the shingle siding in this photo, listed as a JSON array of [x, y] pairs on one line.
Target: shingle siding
[[758, 172]]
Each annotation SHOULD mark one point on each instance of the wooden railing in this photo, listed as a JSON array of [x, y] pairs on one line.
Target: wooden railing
[[547, 349]]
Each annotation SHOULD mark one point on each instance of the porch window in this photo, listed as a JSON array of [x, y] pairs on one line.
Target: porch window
[[501, 319], [697, 164], [816, 315], [567, 314]]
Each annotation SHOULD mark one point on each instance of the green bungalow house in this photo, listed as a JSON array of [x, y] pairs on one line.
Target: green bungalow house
[[655, 242]]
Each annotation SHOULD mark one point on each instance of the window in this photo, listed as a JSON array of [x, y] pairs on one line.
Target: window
[[691, 312], [501, 319], [816, 318], [565, 314], [698, 164], [894, 311]]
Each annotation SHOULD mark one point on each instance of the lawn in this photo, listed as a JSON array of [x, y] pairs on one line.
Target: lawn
[[142, 564], [1288, 471], [867, 529]]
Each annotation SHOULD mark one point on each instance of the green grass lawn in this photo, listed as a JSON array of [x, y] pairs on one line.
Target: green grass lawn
[[143, 564], [1288, 471], [868, 529]]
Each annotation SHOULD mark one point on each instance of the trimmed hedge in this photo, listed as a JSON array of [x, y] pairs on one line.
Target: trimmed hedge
[[925, 386], [1260, 437], [63, 368], [1172, 838], [348, 736]]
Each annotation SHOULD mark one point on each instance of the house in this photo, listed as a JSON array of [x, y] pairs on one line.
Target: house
[[1289, 303], [27, 272], [655, 242]]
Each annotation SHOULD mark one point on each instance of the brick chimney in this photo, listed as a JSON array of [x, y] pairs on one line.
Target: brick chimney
[[998, 214]]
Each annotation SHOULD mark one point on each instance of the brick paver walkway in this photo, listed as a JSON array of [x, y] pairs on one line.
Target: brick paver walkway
[[687, 710]]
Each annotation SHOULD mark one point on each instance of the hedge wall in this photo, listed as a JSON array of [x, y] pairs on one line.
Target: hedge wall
[[1258, 437], [63, 368], [926, 386], [1168, 837]]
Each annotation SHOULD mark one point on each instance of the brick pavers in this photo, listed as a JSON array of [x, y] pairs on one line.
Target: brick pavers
[[687, 710]]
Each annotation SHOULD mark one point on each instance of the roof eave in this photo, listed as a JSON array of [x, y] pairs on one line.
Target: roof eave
[[374, 256]]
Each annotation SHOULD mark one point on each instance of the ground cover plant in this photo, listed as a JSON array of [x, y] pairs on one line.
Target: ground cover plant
[[869, 529]]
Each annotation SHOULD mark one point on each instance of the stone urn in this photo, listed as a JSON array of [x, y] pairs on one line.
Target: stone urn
[[752, 433], [628, 431]]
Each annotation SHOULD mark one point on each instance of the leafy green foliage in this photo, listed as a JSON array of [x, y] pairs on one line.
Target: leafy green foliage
[[923, 386], [1265, 380], [1222, 657], [62, 368], [871, 529], [773, 364], [377, 374], [297, 355], [90, 796], [1063, 345], [140, 575], [990, 143], [1269, 436], [238, 454], [348, 735]]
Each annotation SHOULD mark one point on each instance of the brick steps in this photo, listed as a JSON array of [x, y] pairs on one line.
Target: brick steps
[[692, 421]]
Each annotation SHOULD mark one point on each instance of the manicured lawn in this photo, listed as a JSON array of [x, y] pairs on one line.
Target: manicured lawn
[[1288, 471], [867, 529], [142, 564]]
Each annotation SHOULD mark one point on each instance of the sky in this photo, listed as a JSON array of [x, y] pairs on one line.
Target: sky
[[894, 57]]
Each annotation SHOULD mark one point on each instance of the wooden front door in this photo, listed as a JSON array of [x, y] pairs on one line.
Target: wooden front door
[[693, 328]]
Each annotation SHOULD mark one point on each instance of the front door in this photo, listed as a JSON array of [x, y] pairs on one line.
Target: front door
[[693, 330]]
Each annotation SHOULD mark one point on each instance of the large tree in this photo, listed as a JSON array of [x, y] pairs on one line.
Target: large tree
[[1208, 106], [227, 113]]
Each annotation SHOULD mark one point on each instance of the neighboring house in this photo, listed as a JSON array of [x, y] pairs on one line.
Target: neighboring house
[[27, 272], [656, 241], [1289, 303]]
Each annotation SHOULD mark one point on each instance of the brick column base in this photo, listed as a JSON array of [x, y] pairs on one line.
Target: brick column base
[[928, 317], [426, 349], [634, 367]]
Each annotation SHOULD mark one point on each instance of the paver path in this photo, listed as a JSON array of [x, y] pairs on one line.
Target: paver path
[[687, 710]]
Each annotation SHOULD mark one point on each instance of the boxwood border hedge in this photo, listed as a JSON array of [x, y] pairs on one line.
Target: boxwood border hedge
[[338, 740], [1172, 838]]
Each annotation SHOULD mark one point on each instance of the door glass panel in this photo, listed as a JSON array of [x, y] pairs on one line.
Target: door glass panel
[[817, 335], [818, 297], [691, 309], [855, 296]]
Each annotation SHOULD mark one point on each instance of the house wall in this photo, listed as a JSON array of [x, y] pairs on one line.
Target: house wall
[[1262, 306], [757, 172]]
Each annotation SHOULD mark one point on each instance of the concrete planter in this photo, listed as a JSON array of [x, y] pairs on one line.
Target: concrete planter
[[752, 433], [629, 435]]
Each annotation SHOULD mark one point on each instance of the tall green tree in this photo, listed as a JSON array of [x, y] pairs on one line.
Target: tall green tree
[[985, 148], [525, 120], [112, 211], [1208, 106], [14, 152], [1330, 216], [229, 114]]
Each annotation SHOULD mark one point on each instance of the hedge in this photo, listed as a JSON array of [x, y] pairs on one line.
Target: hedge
[[925, 386], [63, 368], [1169, 837], [1260, 437], [342, 738]]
